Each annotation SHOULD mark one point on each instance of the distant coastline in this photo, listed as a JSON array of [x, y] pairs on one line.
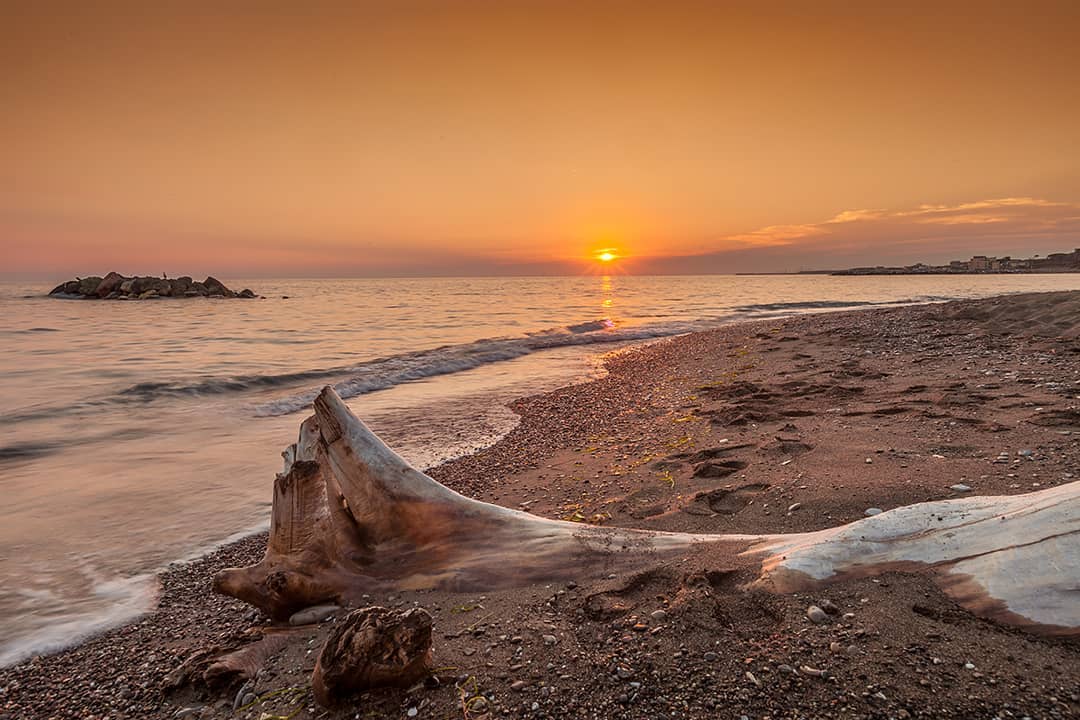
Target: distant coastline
[[977, 265]]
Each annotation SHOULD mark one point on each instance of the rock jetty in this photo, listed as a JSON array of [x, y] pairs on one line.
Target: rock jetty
[[115, 286]]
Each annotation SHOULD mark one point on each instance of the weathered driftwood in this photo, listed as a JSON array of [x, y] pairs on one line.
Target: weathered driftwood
[[371, 648], [351, 517]]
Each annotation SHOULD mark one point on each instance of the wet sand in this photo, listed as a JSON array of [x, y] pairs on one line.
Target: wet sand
[[768, 427]]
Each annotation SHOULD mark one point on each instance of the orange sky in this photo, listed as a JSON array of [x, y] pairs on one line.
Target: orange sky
[[463, 137]]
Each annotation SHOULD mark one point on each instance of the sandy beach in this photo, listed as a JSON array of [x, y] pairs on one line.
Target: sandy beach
[[773, 426]]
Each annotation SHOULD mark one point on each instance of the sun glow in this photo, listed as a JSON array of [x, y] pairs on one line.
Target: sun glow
[[606, 255]]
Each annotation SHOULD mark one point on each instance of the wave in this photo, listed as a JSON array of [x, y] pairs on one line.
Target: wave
[[387, 372], [110, 604], [835, 304]]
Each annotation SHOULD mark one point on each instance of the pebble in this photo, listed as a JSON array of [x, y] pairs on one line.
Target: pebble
[[829, 606], [816, 614], [794, 506], [413, 712], [550, 639], [711, 657], [960, 487], [658, 614], [518, 685], [313, 614], [871, 512]]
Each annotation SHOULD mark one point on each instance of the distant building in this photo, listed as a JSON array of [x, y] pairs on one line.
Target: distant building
[[979, 263]]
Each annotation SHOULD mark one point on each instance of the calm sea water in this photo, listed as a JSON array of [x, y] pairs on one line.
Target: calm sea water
[[138, 433]]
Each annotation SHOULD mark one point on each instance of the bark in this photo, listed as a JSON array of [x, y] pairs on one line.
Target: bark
[[351, 517], [370, 648]]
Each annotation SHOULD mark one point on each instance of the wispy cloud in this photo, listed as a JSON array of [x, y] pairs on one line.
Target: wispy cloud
[[1015, 226]]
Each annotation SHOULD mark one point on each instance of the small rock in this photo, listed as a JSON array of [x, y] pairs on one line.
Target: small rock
[[518, 685], [794, 506], [550, 639], [711, 657], [829, 606], [658, 614], [816, 614], [869, 461], [871, 512], [313, 614], [413, 712], [960, 487]]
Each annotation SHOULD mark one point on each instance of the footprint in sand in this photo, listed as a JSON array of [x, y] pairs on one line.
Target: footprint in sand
[[724, 501], [718, 468]]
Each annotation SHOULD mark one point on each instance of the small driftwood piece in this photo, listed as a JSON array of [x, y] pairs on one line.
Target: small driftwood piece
[[351, 517], [371, 648]]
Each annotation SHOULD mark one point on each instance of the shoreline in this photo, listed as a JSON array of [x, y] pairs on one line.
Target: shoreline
[[652, 398]]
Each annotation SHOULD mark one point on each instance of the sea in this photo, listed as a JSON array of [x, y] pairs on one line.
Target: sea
[[136, 434]]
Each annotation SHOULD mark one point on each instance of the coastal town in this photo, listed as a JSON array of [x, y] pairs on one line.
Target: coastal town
[[1052, 263]]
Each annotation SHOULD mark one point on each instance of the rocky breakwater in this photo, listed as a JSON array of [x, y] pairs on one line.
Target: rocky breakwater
[[115, 286]]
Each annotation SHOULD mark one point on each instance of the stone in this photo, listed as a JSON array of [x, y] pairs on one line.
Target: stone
[[216, 287], [518, 685], [313, 614], [550, 639], [246, 293], [829, 606], [89, 285], [960, 487], [871, 512], [180, 286], [816, 614], [110, 284], [793, 507]]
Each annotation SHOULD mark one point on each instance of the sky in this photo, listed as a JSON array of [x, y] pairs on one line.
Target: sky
[[487, 137]]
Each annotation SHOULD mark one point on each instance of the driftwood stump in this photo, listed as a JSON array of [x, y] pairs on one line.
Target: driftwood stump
[[352, 517]]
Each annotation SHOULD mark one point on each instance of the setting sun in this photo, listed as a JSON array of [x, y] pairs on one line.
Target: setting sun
[[607, 255]]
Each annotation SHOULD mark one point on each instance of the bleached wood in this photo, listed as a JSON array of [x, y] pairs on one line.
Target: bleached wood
[[351, 517]]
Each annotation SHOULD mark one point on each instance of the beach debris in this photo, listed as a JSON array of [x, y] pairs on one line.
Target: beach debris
[[349, 515], [373, 647]]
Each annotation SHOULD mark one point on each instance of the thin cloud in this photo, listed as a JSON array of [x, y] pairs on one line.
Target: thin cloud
[[1017, 226]]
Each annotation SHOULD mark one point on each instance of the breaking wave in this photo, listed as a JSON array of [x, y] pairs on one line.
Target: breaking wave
[[387, 372]]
